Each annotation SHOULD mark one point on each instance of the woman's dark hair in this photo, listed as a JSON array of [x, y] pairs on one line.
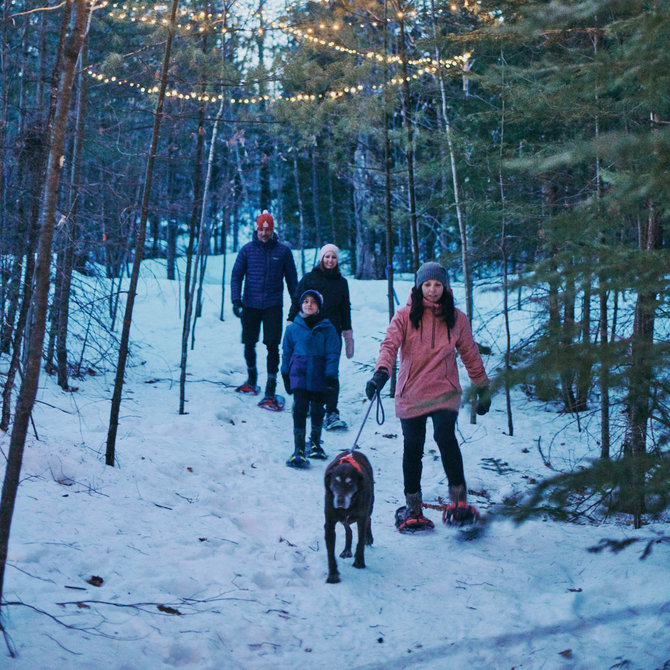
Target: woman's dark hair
[[446, 300]]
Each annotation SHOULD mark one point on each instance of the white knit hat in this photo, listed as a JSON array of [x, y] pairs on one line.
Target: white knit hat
[[326, 248]]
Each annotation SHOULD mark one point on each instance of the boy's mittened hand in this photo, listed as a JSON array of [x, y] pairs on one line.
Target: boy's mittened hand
[[287, 384], [237, 308], [331, 383]]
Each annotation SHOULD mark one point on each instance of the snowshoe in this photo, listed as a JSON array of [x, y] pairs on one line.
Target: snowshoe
[[273, 403], [333, 422], [316, 451], [460, 514], [406, 522], [298, 461], [248, 389]]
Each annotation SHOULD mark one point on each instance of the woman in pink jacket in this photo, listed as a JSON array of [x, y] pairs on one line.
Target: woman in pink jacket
[[429, 331]]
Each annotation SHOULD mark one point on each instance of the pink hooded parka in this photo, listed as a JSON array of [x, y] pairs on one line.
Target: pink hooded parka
[[428, 378]]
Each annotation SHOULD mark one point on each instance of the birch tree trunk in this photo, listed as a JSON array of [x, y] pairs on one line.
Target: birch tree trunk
[[465, 256], [301, 214], [203, 236], [409, 151], [71, 232], [641, 377], [505, 266], [40, 295], [315, 199], [387, 194], [172, 223], [193, 233], [139, 249], [366, 247]]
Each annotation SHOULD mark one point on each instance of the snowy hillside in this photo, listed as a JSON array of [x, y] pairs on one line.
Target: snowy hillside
[[210, 552]]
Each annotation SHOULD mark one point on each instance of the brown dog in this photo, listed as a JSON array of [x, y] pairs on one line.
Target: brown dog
[[349, 497]]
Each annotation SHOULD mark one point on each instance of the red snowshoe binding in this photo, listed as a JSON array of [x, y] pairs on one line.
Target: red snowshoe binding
[[248, 389], [406, 522], [460, 514], [409, 518], [274, 403]]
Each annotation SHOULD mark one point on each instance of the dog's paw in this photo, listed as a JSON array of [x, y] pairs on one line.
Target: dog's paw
[[346, 553], [359, 563], [333, 578]]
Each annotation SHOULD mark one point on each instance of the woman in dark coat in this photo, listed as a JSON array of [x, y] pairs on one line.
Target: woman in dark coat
[[327, 279]]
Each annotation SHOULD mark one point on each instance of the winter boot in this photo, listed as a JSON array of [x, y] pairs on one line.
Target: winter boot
[[315, 444], [333, 421], [249, 386], [270, 386], [410, 518], [298, 459], [459, 512]]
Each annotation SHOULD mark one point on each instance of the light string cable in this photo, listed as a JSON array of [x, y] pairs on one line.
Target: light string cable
[[191, 23], [137, 14], [311, 35]]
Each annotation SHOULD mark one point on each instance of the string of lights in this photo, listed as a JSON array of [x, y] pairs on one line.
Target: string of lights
[[197, 22], [251, 100], [308, 35], [471, 6], [157, 15]]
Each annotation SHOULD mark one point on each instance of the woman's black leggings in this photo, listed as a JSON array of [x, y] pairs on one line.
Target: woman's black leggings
[[444, 433]]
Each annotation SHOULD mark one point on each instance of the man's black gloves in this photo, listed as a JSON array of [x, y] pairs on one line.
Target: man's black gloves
[[287, 384], [483, 400], [331, 383], [376, 384], [237, 308]]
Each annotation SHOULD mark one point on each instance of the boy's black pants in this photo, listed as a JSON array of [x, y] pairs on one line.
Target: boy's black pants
[[302, 401]]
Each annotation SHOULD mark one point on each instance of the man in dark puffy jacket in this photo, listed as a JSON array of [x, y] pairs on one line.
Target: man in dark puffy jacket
[[262, 264]]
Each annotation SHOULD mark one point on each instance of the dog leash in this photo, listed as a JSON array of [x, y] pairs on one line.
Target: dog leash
[[380, 412]]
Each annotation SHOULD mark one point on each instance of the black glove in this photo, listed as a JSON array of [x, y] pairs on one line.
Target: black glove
[[331, 383], [483, 400], [287, 384], [376, 384], [237, 308]]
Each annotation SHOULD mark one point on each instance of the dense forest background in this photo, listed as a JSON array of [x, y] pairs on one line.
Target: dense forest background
[[521, 143]]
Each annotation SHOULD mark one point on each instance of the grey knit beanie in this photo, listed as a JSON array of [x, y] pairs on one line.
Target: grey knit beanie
[[431, 270]]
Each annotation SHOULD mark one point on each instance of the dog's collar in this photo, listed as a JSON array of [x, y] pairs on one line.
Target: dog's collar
[[349, 458]]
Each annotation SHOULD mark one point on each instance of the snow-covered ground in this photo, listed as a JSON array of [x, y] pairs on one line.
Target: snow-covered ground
[[210, 551]]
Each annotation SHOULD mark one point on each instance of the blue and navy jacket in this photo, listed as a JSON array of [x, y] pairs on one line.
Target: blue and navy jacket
[[309, 356], [263, 268]]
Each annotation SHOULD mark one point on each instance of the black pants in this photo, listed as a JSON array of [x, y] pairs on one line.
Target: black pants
[[271, 318], [444, 433], [302, 402], [330, 397]]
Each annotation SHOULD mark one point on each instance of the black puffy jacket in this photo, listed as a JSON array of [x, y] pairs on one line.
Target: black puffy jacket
[[335, 291]]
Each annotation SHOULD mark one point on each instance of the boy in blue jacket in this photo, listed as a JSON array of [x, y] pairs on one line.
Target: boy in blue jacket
[[311, 354]]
